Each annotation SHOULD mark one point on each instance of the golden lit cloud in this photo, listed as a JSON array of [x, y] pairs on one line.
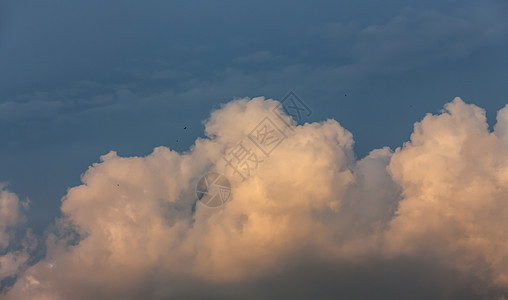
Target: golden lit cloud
[[133, 228]]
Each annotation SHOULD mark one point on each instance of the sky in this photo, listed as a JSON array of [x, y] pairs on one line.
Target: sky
[[126, 104]]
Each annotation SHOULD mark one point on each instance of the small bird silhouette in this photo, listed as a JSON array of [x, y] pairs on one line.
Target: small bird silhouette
[[185, 127]]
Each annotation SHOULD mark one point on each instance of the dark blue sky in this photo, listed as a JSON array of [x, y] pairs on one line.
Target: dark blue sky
[[78, 79]]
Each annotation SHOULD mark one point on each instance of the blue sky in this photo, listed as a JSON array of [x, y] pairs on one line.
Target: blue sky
[[80, 79]]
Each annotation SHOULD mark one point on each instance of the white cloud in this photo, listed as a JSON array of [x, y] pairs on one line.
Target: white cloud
[[439, 198], [13, 253], [454, 175]]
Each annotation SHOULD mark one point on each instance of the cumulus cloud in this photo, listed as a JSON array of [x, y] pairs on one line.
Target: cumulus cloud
[[454, 176], [14, 247], [425, 220]]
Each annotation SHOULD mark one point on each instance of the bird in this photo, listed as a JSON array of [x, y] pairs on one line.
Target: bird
[[185, 127]]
